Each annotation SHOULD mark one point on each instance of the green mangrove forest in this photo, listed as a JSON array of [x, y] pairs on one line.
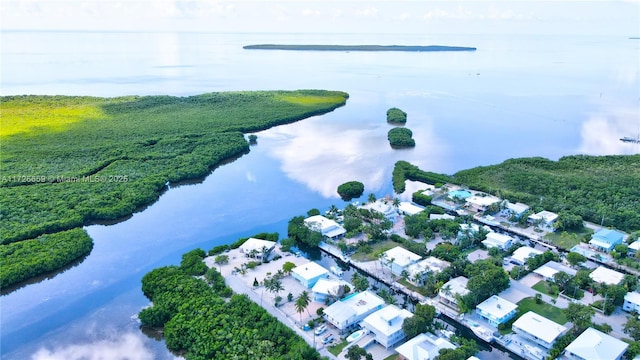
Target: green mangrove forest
[[401, 138], [396, 116], [420, 48], [69, 161], [601, 189], [350, 190]]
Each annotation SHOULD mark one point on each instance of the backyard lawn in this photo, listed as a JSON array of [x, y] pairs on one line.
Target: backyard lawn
[[567, 239], [546, 288], [336, 349], [529, 304], [370, 252]]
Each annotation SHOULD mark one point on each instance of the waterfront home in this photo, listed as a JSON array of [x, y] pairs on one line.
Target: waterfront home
[[522, 254], [327, 227], [603, 275], [497, 310], [634, 247], [548, 270], [383, 207], [386, 325], [595, 345], [538, 329], [516, 210], [423, 347], [544, 218], [346, 313], [257, 248], [632, 302], [327, 290], [417, 272], [308, 274], [481, 203], [497, 240], [454, 287], [606, 239], [408, 208], [398, 259], [441, 217], [460, 194]]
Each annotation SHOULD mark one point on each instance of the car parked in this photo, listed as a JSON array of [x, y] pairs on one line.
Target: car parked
[[327, 339], [321, 329]]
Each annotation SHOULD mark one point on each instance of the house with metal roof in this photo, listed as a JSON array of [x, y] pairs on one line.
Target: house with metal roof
[[257, 247], [326, 227], [386, 324], [398, 259], [632, 302], [497, 310], [423, 347], [418, 271], [497, 240], [449, 291], [606, 239], [522, 254], [347, 313], [603, 275], [538, 329], [548, 270], [595, 345], [308, 274]]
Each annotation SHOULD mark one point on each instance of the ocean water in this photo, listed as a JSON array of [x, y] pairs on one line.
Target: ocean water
[[515, 96]]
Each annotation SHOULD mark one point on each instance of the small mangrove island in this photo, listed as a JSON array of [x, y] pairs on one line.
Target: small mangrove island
[[396, 116], [413, 48], [350, 190], [401, 138]]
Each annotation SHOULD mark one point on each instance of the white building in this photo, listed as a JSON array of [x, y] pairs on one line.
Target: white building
[[383, 207], [408, 208], [348, 312], [497, 310], [481, 203], [603, 275], [595, 345], [386, 324], [521, 254], [327, 290], [517, 209], [423, 347], [261, 248], [634, 246], [398, 259], [548, 270], [455, 286], [309, 273], [441, 217], [326, 227], [632, 302], [418, 271], [538, 329], [547, 218], [497, 240]]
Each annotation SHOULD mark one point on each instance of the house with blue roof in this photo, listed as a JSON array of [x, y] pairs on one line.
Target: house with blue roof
[[606, 239]]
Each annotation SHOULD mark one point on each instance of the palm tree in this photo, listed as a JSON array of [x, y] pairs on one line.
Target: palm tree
[[372, 198], [301, 304], [396, 203], [306, 300]]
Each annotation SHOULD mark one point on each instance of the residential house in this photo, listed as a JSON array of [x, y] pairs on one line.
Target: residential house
[[544, 218], [398, 259], [606, 239], [497, 310], [408, 208], [595, 345], [454, 287], [632, 302], [441, 217], [257, 248], [603, 275], [548, 270], [538, 329], [481, 203], [634, 247], [497, 240], [423, 347], [347, 313], [327, 290], [309, 273], [386, 324], [417, 272], [516, 210], [327, 227], [523, 253], [383, 207]]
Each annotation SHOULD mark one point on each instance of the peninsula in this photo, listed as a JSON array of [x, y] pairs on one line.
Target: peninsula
[[412, 48]]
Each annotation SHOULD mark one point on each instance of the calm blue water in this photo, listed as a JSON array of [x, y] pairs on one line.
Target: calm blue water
[[516, 96]]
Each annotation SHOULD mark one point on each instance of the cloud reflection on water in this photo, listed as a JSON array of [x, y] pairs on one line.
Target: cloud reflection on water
[[126, 346], [602, 131]]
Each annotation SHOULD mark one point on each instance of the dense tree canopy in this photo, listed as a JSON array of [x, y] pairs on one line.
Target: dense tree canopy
[[400, 138], [350, 190], [396, 116]]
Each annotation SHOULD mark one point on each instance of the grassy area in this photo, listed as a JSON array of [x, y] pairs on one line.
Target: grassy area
[[336, 349], [69, 161], [370, 252], [529, 304], [391, 357], [567, 239], [546, 288]]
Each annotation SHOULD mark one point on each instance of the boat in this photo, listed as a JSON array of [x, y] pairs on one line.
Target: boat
[[356, 335], [629, 139]]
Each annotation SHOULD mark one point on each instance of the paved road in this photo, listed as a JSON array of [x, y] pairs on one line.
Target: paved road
[[240, 287]]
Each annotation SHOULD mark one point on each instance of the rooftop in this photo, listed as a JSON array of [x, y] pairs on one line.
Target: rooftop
[[482, 200], [310, 270], [457, 285], [388, 320], [546, 216], [409, 208], [353, 305], [327, 286], [517, 208], [632, 297], [551, 268], [606, 276], [496, 239], [428, 264], [401, 256], [256, 244], [496, 306], [423, 347], [523, 253], [596, 345], [326, 226], [539, 326], [635, 245], [608, 236], [380, 206], [441, 217]]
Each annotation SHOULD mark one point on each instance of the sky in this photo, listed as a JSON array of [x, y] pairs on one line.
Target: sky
[[605, 17]]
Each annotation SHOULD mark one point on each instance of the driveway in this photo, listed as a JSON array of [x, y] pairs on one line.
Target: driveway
[[517, 292]]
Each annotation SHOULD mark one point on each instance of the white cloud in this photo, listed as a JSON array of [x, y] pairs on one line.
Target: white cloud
[[126, 347], [601, 132]]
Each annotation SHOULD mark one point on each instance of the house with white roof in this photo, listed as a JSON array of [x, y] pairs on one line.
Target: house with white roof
[[517, 209], [383, 207], [350, 311], [497, 310], [497, 240], [595, 345], [634, 246], [606, 239], [603, 275], [632, 302], [423, 347], [441, 217], [523, 253], [408, 208], [546, 218], [398, 259], [538, 329], [326, 290], [257, 247], [455, 286], [309, 273], [418, 271], [548, 270], [481, 203], [386, 324], [326, 227]]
